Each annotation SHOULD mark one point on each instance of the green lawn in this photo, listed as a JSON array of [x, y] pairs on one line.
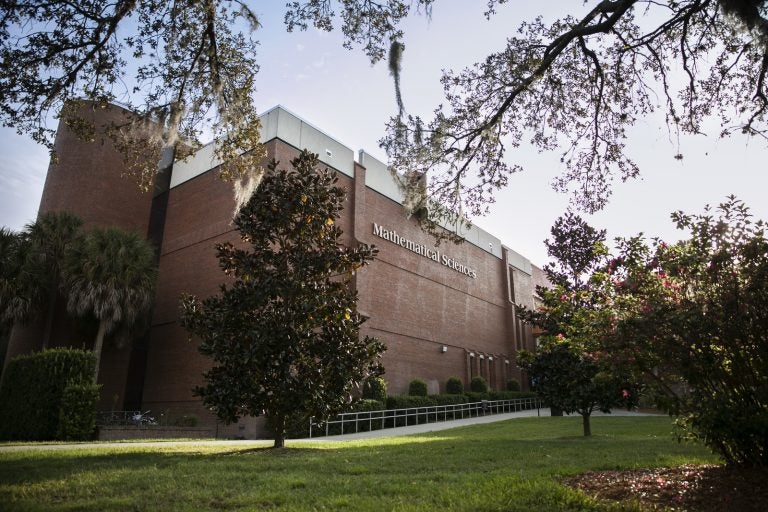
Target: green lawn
[[511, 465]]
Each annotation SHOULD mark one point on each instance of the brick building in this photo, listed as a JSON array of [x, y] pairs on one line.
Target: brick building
[[441, 310]]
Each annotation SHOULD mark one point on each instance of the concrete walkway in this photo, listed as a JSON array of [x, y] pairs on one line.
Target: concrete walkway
[[251, 443]]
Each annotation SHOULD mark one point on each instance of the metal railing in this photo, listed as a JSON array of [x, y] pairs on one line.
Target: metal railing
[[365, 421], [123, 418]]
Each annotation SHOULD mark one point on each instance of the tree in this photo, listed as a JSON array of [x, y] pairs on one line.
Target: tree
[[569, 368], [31, 273], [49, 238], [573, 381], [575, 85], [284, 335], [10, 263], [692, 316], [109, 274]]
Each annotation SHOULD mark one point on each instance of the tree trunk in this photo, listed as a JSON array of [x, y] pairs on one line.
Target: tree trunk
[[279, 426], [587, 426], [49, 314], [97, 345]]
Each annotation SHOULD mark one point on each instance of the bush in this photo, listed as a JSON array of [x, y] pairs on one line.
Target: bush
[[368, 405], [408, 401], [513, 385], [447, 399], [478, 385], [454, 386], [188, 420], [32, 391], [510, 395], [77, 416], [417, 387], [375, 388], [474, 396]]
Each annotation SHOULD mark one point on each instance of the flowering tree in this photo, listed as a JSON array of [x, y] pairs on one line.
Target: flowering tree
[[284, 335], [693, 317], [569, 369]]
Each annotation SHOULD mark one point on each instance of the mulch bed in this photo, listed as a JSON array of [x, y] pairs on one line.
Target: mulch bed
[[706, 488]]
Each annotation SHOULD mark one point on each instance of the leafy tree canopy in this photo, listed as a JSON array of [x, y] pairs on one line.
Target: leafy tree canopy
[[570, 369], [693, 317], [109, 274], [30, 268], [284, 335], [575, 85]]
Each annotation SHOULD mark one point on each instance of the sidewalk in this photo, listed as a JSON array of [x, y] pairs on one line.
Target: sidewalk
[[251, 443]]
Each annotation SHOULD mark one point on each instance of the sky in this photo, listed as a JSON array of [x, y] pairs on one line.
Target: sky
[[341, 93]]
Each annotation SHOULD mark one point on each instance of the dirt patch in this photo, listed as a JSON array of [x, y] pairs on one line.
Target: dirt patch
[[691, 488]]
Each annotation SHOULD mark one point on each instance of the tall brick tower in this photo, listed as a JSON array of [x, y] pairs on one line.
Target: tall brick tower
[[86, 178]]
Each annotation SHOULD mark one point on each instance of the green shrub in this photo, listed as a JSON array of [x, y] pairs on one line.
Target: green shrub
[[447, 399], [513, 385], [77, 416], [417, 387], [375, 388], [510, 395], [474, 396], [368, 405], [188, 420], [32, 390], [408, 401], [478, 385], [454, 386]]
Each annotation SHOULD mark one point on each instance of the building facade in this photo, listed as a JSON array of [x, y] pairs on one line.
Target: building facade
[[442, 311]]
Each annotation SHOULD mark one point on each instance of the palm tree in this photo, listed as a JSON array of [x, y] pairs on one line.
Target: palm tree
[[47, 241], [30, 268], [10, 264], [110, 274]]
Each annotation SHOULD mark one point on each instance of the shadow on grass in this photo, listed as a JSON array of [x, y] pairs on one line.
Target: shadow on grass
[[416, 470]]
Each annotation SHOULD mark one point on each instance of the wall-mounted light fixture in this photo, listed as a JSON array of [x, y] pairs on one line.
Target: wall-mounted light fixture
[[490, 358], [471, 354], [506, 361], [443, 349], [482, 356]]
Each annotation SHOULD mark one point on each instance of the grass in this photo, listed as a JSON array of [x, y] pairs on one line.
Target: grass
[[511, 465]]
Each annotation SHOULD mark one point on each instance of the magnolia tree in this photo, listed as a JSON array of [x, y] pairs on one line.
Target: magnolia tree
[[284, 334], [693, 317], [569, 368]]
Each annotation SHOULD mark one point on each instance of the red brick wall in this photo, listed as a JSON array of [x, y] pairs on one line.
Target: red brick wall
[[199, 216], [417, 305], [86, 179]]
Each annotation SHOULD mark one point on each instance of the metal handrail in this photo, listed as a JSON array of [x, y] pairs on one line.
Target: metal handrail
[[123, 418], [391, 418]]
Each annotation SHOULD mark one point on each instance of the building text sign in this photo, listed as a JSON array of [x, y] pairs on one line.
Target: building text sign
[[423, 250]]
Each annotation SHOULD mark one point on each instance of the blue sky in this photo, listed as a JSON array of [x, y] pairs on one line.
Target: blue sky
[[342, 94]]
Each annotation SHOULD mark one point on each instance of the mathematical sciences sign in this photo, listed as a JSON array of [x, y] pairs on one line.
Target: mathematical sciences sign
[[423, 250]]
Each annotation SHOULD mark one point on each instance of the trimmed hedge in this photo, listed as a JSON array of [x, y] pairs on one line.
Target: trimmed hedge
[[77, 415], [478, 385], [454, 386], [33, 388], [511, 395], [367, 405], [375, 388], [498, 395], [417, 387], [513, 385], [408, 401]]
